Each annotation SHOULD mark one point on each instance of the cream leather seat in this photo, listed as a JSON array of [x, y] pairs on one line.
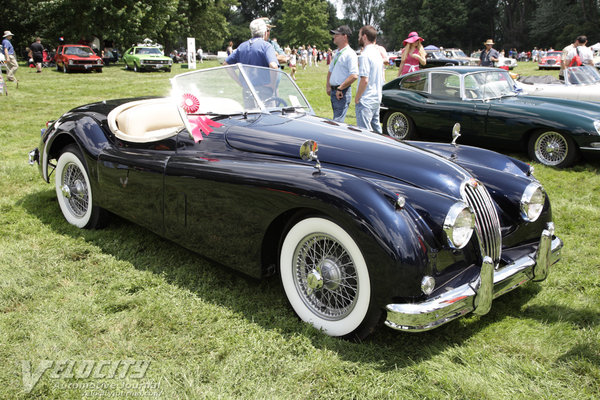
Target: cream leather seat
[[144, 121]]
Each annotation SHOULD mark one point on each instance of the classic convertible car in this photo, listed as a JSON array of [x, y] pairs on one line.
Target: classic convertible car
[[360, 227], [485, 101], [580, 83]]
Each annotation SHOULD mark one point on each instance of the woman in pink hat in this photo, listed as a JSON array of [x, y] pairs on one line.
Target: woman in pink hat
[[413, 54]]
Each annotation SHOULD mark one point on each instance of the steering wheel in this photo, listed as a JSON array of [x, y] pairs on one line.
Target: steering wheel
[[278, 101]]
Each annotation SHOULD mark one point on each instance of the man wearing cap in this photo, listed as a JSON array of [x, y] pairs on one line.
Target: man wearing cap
[[490, 55], [9, 54], [343, 71], [256, 51]]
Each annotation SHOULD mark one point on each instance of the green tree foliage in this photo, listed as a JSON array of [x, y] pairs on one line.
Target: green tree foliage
[[450, 23], [558, 22], [304, 22], [365, 12]]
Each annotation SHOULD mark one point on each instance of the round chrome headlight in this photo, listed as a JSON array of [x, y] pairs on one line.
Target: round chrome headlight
[[597, 126], [532, 202], [458, 225]]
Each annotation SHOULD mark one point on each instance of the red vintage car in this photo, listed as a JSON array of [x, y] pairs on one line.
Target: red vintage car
[[77, 57], [550, 60]]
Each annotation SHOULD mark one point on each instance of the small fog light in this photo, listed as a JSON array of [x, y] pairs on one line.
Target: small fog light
[[427, 284]]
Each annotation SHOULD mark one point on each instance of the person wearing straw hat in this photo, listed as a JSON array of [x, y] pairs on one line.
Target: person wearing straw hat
[[413, 54], [9, 54], [489, 56]]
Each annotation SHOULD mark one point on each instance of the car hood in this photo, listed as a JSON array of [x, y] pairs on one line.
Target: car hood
[[551, 105], [345, 146]]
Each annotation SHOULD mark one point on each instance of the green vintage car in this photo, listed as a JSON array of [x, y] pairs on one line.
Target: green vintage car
[[142, 57], [492, 112]]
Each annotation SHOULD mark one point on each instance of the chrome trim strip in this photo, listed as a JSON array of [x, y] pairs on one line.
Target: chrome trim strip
[[589, 148], [418, 317]]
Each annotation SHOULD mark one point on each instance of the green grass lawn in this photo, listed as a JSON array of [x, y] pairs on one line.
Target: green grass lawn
[[123, 294]]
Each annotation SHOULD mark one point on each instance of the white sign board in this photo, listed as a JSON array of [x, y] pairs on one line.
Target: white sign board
[[191, 53]]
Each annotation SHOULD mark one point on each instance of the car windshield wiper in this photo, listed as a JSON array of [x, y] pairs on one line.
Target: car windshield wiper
[[292, 109]]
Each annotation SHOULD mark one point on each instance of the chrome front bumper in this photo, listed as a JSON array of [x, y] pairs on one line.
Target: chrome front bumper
[[477, 296]]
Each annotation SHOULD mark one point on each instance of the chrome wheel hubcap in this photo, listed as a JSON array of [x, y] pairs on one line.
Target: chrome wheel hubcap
[[551, 148], [75, 190], [325, 276], [397, 126]]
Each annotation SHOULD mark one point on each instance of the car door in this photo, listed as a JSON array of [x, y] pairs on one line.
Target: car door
[[132, 178], [444, 106], [59, 56]]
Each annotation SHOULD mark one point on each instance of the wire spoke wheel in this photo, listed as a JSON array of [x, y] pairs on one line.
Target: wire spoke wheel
[[75, 190], [326, 279], [397, 125], [325, 276], [551, 148]]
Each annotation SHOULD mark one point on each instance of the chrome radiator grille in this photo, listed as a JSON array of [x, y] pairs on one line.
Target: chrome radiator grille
[[487, 224]]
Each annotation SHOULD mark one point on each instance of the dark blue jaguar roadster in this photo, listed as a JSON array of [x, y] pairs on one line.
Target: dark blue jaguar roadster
[[361, 228]]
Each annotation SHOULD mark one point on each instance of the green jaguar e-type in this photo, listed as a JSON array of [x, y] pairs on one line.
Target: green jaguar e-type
[[492, 112]]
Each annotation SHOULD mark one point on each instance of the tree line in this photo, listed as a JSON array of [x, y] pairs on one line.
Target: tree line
[[520, 24]]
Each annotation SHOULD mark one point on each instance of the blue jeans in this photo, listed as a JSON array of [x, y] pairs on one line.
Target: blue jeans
[[367, 117], [340, 107]]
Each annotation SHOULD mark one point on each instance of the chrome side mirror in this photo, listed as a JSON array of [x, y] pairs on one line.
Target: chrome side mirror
[[308, 152], [455, 133]]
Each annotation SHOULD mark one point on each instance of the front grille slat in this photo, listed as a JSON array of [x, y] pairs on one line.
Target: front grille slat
[[487, 224]]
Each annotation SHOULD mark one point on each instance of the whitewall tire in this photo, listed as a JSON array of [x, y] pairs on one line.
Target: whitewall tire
[[325, 276], [74, 191]]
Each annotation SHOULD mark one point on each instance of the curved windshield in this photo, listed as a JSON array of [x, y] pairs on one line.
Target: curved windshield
[[583, 75], [237, 89], [80, 51], [488, 85], [148, 50]]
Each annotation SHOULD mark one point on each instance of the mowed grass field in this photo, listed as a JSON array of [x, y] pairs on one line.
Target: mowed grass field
[[73, 298]]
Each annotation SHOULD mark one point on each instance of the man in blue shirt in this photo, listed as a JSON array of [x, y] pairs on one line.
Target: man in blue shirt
[[343, 71], [255, 51], [370, 70], [9, 54]]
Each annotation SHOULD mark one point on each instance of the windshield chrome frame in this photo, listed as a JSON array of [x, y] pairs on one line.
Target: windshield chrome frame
[[242, 68], [463, 88]]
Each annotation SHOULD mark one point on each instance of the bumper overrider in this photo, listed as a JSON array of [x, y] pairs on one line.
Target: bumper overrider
[[477, 296]]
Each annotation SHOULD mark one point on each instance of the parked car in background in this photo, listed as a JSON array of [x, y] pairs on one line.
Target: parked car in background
[[485, 101], [511, 63], [580, 83], [550, 61], [596, 60], [393, 56], [77, 57], [436, 58], [146, 57], [458, 54], [361, 228]]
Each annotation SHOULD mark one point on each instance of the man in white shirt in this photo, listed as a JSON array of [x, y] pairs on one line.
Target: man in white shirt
[[370, 70], [585, 54], [343, 71]]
